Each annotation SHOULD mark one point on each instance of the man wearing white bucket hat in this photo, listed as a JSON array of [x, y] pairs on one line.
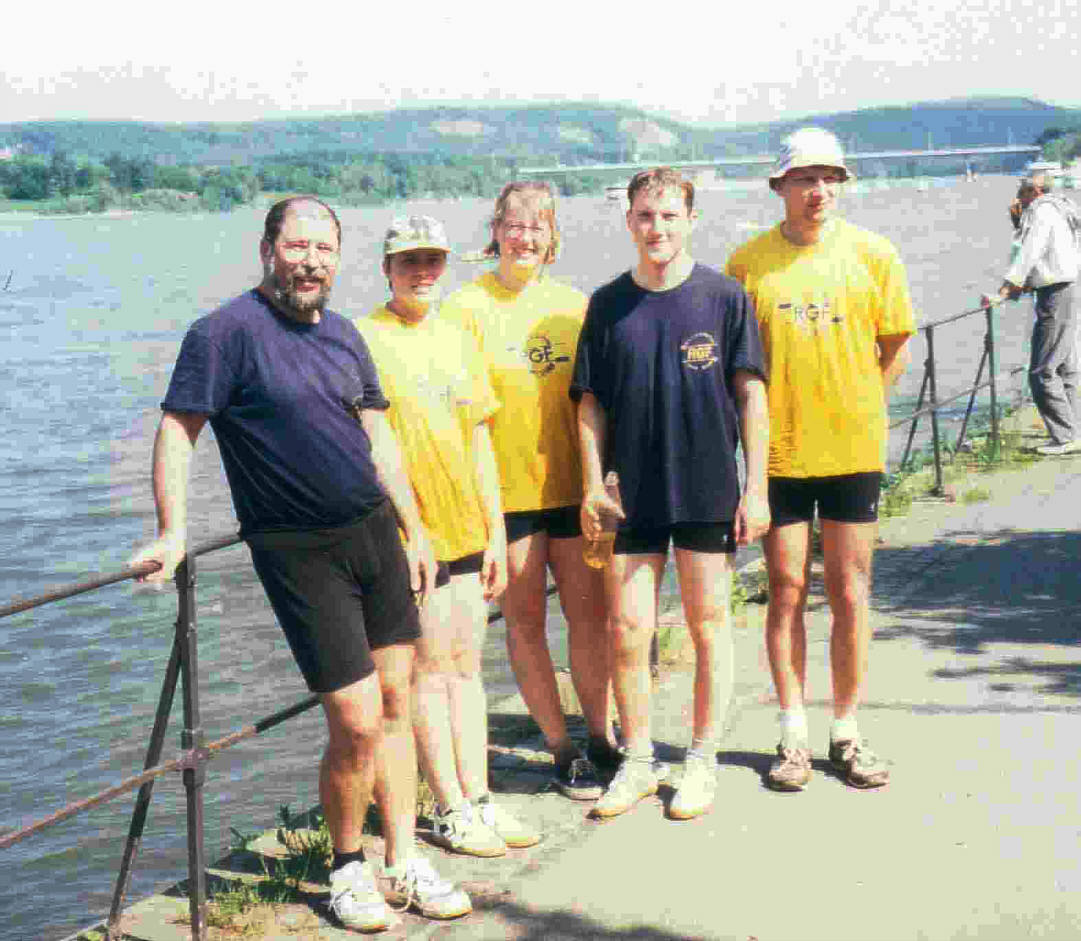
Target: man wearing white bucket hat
[[834, 315]]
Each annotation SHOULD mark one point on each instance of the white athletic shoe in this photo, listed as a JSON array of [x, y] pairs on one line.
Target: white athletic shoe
[[354, 899], [695, 793], [635, 779], [512, 831], [463, 830], [415, 882]]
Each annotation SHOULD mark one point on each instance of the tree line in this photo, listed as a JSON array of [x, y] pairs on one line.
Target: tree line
[[61, 183]]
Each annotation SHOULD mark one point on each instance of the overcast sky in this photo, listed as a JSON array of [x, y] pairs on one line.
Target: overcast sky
[[222, 61]]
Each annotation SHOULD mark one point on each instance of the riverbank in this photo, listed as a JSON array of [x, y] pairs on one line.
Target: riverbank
[[973, 694]]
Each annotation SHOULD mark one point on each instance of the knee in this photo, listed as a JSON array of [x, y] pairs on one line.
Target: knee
[[465, 665], [354, 738], [627, 637], [787, 592], [396, 703], [850, 591]]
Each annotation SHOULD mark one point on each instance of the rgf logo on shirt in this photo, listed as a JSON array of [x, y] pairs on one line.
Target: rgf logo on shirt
[[543, 355], [699, 351]]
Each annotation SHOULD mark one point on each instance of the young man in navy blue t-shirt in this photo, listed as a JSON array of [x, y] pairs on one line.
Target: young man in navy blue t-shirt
[[319, 490], [669, 377]]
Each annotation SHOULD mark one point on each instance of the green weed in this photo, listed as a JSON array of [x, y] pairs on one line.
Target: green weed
[[976, 495]]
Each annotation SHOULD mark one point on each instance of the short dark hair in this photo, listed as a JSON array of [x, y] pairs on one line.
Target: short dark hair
[[275, 218], [661, 178]]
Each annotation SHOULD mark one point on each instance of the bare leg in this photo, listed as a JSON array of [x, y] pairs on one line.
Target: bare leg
[[847, 550], [525, 608], [788, 560], [581, 594], [432, 699], [347, 772], [632, 583], [396, 759], [468, 706], [705, 582]]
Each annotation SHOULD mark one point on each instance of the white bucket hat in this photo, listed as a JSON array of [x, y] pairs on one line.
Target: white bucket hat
[[809, 147]]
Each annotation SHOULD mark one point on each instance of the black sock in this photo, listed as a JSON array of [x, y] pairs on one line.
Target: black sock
[[344, 859]]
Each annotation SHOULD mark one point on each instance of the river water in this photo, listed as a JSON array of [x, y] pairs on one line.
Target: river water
[[89, 328]]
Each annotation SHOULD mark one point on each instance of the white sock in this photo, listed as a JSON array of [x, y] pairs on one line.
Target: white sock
[[794, 727], [844, 730]]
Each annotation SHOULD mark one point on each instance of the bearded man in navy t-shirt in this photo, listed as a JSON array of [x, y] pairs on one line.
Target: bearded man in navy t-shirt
[[669, 377], [294, 400]]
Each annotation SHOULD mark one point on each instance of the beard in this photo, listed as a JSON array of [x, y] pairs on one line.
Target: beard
[[287, 296]]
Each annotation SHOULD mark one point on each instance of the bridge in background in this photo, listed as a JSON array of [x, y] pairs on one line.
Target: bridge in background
[[766, 159]]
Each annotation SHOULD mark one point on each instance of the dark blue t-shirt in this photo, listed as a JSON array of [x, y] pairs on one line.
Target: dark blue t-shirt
[[661, 363], [278, 394]]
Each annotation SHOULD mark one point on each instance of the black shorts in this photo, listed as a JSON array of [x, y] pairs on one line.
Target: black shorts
[[713, 538], [466, 565], [563, 522], [338, 594], [846, 498]]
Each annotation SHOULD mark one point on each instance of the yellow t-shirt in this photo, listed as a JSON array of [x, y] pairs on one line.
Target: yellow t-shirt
[[434, 377], [820, 310], [528, 339]]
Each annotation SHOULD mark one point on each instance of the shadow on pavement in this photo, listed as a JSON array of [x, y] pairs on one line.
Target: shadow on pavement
[[1004, 587], [526, 924]]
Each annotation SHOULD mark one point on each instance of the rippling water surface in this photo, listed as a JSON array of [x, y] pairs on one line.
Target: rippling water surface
[[89, 329]]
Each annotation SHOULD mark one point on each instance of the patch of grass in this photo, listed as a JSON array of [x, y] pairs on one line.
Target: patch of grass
[[749, 588], [976, 495], [92, 934], [897, 496]]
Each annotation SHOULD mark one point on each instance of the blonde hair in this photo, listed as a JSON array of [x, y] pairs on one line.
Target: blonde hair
[[534, 190]]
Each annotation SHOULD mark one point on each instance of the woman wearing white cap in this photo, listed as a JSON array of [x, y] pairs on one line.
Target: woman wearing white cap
[[527, 325], [441, 403]]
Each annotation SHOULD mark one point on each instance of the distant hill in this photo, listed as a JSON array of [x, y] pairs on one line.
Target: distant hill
[[532, 134]]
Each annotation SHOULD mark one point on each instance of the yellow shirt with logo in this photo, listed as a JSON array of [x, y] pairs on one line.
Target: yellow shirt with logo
[[821, 309], [435, 380], [528, 339]]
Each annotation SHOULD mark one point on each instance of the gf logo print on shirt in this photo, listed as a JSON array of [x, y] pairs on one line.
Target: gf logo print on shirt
[[543, 354], [699, 351]]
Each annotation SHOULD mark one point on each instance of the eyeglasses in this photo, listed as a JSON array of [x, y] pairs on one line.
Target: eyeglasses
[[518, 229]]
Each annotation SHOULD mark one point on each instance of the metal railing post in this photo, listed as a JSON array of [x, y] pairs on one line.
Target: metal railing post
[[191, 741], [933, 390], [142, 801], [989, 348], [915, 421], [971, 399]]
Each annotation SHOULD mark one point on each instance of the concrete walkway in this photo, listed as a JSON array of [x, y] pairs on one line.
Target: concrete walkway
[[974, 694]]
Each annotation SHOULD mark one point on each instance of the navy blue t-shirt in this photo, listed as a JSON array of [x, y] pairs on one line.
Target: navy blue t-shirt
[[661, 363], [278, 394]]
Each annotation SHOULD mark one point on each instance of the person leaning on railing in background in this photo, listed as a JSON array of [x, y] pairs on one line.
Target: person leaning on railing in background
[[527, 326], [1046, 258], [834, 314], [440, 405], [320, 492]]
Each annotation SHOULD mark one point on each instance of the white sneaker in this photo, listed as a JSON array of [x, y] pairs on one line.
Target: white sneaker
[[695, 793], [512, 831], [1054, 450], [635, 779], [464, 831], [415, 882], [354, 899]]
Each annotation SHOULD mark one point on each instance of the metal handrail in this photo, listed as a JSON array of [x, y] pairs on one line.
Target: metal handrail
[[195, 754], [929, 387]]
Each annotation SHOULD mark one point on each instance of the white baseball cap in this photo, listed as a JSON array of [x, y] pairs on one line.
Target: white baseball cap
[[809, 147]]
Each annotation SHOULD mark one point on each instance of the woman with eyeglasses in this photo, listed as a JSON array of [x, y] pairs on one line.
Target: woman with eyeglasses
[[527, 325], [440, 404]]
